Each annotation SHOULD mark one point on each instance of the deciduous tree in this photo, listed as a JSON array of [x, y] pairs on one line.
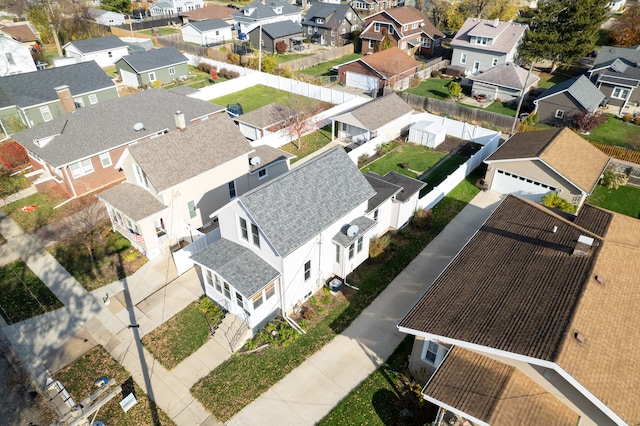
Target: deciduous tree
[[626, 29], [296, 114]]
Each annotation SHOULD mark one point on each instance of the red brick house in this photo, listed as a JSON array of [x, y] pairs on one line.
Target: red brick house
[[406, 27]]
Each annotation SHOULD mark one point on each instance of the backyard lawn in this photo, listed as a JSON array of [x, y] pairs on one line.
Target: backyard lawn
[[162, 30], [616, 132], [286, 57], [437, 88], [419, 159], [547, 80], [325, 67], [625, 199], [254, 97], [79, 377], [179, 337], [22, 294], [113, 257], [309, 144], [267, 367]]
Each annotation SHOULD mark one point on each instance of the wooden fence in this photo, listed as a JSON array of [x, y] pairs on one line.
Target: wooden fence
[[619, 152], [324, 56], [430, 66], [459, 112]]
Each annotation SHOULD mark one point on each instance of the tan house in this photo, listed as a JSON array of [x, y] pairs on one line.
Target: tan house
[[176, 183], [532, 164], [534, 322]]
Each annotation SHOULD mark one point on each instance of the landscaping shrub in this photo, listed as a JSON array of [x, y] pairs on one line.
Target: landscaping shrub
[[614, 177], [455, 90], [212, 311], [436, 73], [281, 47], [11, 184], [423, 219], [204, 67], [277, 333], [14, 125], [156, 84], [586, 121], [627, 118], [636, 120], [384, 148], [378, 245], [13, 155], [326, 299], [228, 74], [362, 160], [233, 58], [555, 201]]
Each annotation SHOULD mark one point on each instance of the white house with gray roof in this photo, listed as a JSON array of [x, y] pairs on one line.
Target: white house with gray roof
[[79, 152], [104, 50], [15, 57], [175, 183], [206, 32], [265, 12], [174, 7], [481, 44]]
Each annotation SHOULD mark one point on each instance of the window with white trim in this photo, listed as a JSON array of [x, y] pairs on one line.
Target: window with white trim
[[309, 30], [482, 40], [344, 31], [375, 215], [218, 283], [494, 62], [152, 77], [244, 231], [81, 168], [390, 29], [191, 206], [620, 93], [431, 353], [172, 70], [269, 291], [404, 45], [79, 102], [307, 270], [351, 251], [141, 177], [405, 27], [239, 300], [227, 290], [338, 250], [414, 25], [359, 244], [426, 42], [10, 58], [370, 44], [110, 54], [46, 114], [255, 235], [376, 27], [559, 113], [257, 301], [105, 159], [463, 58], [93, 99], [232, 189]]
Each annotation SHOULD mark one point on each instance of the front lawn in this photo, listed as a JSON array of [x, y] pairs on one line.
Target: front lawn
[[379, 399], [325, 67], [309, 144], [418, 159], [616, 132], [625, 199], [254, 97], [113, 257], [11, 184], [23, 295], [437, 88], [179, 337], [79, 377], [267, 367]]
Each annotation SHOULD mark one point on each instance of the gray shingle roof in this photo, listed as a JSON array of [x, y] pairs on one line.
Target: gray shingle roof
[[363, 223], [335, 12], [376, 113], [296, 206], [280, 29], [581, 89], [266, 10], [154, 59], [409, 185], [505, 36], [631, 55], [98, 44], [384, 190], [181, 155], [132, 200], [107, 125], [209, 24], [508, 75], [237, 265], [33, 88]]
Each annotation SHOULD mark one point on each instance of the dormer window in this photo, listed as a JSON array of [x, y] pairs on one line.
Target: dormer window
[[405, 27], [390, 29], [277, 9], [414, 25], [376, 27], [249, 11], [482, 40], [319, 21]]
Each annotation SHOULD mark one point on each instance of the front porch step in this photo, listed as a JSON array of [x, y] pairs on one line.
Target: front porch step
[[232, 333]]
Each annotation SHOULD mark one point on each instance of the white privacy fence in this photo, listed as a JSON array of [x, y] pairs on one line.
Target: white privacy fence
[[182, 257]]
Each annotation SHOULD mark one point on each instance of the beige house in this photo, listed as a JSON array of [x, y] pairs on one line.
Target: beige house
[[176, 183], [532, 164]]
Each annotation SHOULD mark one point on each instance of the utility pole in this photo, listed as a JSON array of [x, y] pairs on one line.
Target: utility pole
[[526, 82]]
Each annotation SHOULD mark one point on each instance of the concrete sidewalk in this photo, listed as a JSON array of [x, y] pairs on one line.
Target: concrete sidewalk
[[310, 391]]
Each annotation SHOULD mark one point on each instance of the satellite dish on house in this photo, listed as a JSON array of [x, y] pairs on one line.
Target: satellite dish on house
[[352, 230], [138, 126], [254, 161]]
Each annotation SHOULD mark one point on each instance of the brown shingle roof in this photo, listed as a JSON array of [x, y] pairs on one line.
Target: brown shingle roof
[[400, 16], [209, 12], [391, 62], [562, 149], [494, 392], [21, 32], [263, 117]]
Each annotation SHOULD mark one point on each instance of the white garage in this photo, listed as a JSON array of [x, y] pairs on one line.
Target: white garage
[[129, 78], [508, 183], [361, 81]]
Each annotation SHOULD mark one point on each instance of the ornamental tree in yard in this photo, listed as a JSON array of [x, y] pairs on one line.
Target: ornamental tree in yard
[[13, 155], [624, 30], [587, 121]]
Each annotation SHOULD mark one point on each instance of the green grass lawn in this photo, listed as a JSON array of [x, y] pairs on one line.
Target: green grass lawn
[[249, 375], [418, 157], [437, 88], [11, 184], [179, 337], [325, 67], [443, 170], [625, 199], [79, 377], [43, 215], [254, 97], [378, 399], [162, 30], [113, 257], [616, 132], [547, 80], [309, 144], [23, 295]]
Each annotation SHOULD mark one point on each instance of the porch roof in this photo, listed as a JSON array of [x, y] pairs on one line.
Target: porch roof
[[132, 200], [237, 265], [362, 223]]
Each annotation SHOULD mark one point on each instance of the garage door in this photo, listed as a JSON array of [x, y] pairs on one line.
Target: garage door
[[129, 78], [361, 81], [509, 183]]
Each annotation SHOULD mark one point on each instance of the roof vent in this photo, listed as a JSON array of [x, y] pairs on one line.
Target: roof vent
[[579, 337], [554, 229], [138, 127], [600, 279], [583, 246], [496, 22]]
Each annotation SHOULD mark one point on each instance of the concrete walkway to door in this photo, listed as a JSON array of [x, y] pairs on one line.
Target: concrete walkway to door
[[310, 391]]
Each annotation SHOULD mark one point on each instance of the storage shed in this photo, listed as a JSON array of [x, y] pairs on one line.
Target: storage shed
[[427, 133]]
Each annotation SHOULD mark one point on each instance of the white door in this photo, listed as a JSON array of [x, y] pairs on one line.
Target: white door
[[129, 78], [361, 81], [476, 67], [507, 183]]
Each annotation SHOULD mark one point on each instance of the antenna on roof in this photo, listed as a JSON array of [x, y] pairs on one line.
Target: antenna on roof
[[352, 230]]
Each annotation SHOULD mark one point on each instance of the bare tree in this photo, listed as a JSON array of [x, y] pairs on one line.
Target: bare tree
[[86, 221], [296, 116]]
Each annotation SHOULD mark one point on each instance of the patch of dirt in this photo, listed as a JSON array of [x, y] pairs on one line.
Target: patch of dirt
[[468, 149], [315, 312]]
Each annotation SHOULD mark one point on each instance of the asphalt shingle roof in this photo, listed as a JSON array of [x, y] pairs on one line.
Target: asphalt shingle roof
[[376, 113], [296, 206], [154, 59], [262, 117], [630, 55], [581, 89], [508, 75], [20, 31], [209, 24], [280, 29], [237, 265], [409, 185], [268, 155], [505, 36], [363, 224], [107, 125], [98, 44], [181, 155], [391, 62], [33, 88], [384, 190], [132, 200], [266, 10]]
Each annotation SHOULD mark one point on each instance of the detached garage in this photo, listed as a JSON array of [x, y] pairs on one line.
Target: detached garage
[[532, 164], [362, 81]]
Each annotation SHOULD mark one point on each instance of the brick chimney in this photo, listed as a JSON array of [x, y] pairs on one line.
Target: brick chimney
[[180, 121], [64, 94]]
